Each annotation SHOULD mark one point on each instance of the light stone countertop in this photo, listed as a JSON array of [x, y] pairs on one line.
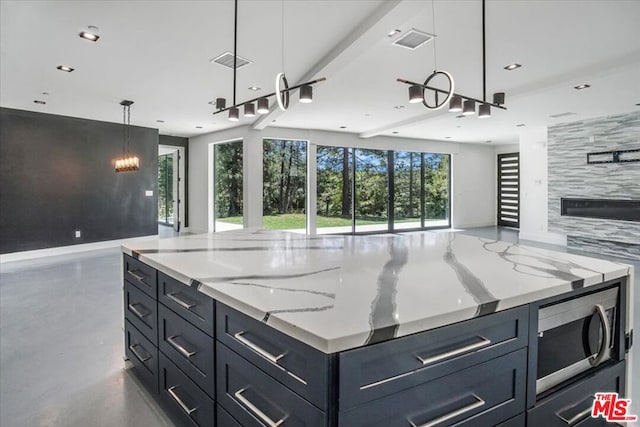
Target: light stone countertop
[[340, 292]]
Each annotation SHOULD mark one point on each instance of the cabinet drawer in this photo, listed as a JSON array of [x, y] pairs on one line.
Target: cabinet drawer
[[300, 367], [572, 405], [141, 275], [518, 421], [184, 398], [190, 304], [142, 354], [382, 369], [188, 347], [482, 395], [255, 399], [223, 419], [141, 310]]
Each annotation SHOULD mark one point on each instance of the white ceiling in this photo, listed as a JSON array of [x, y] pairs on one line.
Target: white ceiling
[[157, 54]]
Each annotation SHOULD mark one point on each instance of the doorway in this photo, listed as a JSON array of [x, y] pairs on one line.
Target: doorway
[[170, 187]]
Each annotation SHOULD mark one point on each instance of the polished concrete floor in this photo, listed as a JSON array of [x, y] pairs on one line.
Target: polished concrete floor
[[61, 343]]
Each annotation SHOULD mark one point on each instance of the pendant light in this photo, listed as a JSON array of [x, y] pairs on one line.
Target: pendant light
[[455, 105], [282, 92], [469, 108], [128, 162], [457, 102]]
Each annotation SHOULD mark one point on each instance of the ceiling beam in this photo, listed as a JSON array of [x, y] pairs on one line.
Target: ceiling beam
[[390, 15]]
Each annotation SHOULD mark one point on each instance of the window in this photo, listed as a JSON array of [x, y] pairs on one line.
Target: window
[[334, 205], [371, 190], [358, 188], [228, 182], [284, 185]]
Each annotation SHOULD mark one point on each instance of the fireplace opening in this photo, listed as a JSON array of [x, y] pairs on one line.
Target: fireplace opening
[[623, 210]]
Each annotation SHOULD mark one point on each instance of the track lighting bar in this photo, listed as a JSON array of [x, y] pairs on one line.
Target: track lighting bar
[[240, 104], [446, 93]]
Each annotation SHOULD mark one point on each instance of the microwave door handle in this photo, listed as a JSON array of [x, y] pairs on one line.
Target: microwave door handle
[[606, 336]]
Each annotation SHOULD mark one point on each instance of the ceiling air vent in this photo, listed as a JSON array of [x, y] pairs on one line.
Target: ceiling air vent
[[413, 39], [557, 116], [226, 59]]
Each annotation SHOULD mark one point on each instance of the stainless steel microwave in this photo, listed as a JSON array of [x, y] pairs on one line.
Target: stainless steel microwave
[[575, 336]]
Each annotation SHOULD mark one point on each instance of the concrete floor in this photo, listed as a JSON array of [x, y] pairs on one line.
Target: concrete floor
[[61, 343]]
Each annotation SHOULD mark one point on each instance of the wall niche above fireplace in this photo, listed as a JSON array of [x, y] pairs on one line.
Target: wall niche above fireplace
[[623, 210]]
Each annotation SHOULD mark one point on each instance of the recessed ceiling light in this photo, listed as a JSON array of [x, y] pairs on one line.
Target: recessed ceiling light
[[37, 101], [90, 34], [488, 142], [582, 86], [198, 127], [160, 121], [45, 93], [392, 33], [254, 88], [458, 126], [447, 137], [520, 125], [513, 66], [343, 127], [399, 107], [557, 116], [65, 68], [394, 132], [367, 114], [638, 104]]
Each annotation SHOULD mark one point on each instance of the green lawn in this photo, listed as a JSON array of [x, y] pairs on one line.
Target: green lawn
[[293, 221]]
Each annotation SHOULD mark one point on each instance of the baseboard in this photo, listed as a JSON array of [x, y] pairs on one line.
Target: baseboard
[[65, 250], [551, 238], [473, 225]]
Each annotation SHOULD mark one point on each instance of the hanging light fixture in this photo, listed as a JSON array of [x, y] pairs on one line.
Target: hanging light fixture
[[442, 96], [263, 105], [249, 109], [282, 92], [484, 111], [455, 105], [469, 108], [306, 94], [416, 94], [127, 162], [234, 114]]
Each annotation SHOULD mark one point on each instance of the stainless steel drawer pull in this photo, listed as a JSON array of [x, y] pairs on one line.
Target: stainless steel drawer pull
[[262, 352], [577, 417], [134, 310], [433, 359], [453, 414], [174, 395], [253, 408], [182, 303], [135, 275], [135, 353], [186, 353]]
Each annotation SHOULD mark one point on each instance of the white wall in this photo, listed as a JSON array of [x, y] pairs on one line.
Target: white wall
[[473, 172], [534, 188]]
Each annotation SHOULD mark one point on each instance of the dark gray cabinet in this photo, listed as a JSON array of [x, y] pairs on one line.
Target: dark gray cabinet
[[211, 365]]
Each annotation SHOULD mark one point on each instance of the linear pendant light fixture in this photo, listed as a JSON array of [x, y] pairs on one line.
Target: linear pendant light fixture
[[282, 92], [457, 102], [128, 162]]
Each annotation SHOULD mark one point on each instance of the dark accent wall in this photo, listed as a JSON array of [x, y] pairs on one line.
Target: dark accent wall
[[57, 176], [177, 141]]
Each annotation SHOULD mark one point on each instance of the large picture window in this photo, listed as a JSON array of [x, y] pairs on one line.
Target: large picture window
[[284, 184], [228, 182], [364, 190]]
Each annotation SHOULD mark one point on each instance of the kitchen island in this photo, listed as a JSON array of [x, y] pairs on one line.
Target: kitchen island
[[255, 327]]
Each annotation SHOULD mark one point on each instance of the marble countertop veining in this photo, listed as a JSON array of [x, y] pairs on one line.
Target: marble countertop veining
[[340, 292]]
